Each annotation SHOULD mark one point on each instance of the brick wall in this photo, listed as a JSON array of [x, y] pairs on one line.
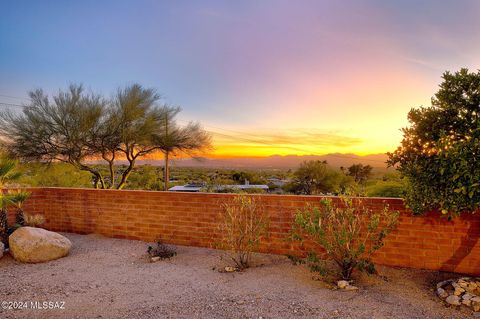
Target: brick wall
[[428, 241]]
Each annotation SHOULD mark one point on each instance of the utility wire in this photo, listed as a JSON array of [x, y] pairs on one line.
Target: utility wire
[[230, 136]]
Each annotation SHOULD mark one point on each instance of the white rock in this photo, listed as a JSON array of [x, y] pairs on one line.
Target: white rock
[[154, 259], [443, 283], [453, 300], [351, 288], [35, 245], [442, 293], [476, 299], [467, 296], [342, 284], [230, 269]]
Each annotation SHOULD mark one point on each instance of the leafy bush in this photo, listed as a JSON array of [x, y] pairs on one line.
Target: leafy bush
[[349, 232], [161, 250], [33, 220], [386, 189], [243, 224]]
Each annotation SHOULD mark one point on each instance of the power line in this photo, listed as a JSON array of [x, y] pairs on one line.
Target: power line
[[11, 105], [229, 136], [15, 97]]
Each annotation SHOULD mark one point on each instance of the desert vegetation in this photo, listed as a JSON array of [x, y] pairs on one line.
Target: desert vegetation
[[347, 231], [75, 127], [243, 224]]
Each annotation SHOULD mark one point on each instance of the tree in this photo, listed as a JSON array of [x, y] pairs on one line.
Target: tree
[[360, 173], [82, 129], [173, 139], [439, 153], [316, 177]]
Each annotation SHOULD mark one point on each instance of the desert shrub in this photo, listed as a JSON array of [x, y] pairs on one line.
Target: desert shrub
[[243, 224], [33, 220], [348, 231], [161, 250]]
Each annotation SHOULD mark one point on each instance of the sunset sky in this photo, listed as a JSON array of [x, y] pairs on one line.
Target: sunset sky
[[265, 77]]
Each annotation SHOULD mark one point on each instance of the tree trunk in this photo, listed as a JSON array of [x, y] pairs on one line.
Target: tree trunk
[[167, 173], [4, 227]]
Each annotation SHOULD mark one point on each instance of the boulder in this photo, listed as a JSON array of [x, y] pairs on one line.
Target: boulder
[[36, 245], [2, 249]]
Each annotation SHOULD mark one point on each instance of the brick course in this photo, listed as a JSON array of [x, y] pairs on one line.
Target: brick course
[[426, 242]]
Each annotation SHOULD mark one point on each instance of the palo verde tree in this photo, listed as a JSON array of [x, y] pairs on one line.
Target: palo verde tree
[[83, 129], [173, 139], [440, 151]]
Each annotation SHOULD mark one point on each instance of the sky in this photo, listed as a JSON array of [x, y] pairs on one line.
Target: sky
[[265, 77]]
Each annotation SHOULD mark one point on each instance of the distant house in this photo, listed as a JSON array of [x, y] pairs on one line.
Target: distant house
[[247, 185], [186, 188], [197, 187]]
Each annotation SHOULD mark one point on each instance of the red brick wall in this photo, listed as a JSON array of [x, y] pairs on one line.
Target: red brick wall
[[428, 241]]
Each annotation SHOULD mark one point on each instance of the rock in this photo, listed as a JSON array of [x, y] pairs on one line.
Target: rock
[[2, 249], [351, 288], [342, 284], [230, 269], [458, 291], [476, 299], [476, 306], [35, 245], [467, 302], [442, 293], [154, 259], [453, 300], [467, 296], [443, 283]]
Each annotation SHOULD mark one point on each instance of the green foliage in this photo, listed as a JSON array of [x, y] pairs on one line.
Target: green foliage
[[359, 172], [75, 128], [439, 153], [348, 231], [53, 175], [8, 198], [381, 188], [316, 177], [243, 224]]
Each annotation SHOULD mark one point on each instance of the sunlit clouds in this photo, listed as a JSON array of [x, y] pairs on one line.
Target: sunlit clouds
[[266, 77]]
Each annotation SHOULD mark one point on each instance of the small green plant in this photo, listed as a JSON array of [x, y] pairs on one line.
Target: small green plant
[[8, 198], [243, 224], [161, 250], [348, 231]]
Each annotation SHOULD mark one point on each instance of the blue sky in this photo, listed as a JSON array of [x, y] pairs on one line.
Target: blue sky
[[284, 71]]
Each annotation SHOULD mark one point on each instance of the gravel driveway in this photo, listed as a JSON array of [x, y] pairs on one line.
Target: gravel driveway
[[111, 278]]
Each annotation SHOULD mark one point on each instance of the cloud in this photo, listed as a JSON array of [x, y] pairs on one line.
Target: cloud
[[273, 142]]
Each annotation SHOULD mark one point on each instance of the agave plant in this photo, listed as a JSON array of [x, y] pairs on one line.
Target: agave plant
[[8, 197]]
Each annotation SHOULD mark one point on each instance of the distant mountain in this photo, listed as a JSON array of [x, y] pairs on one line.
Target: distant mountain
[[277, 161]]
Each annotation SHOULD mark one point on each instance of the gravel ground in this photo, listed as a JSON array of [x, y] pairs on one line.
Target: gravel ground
[[111, 278]]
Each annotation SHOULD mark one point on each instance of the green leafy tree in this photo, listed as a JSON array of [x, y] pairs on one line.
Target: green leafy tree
[[316, 177], [360, 173], [84, 130], [439, 153]]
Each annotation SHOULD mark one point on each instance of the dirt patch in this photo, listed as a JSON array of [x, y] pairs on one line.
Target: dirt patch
[[112, 278]]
